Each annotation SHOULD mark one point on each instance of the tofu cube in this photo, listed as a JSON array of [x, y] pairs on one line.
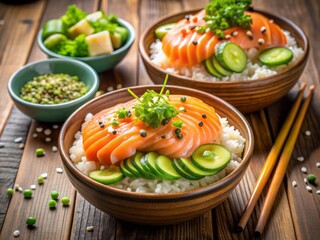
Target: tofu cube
[[82, 27], [99, 43]]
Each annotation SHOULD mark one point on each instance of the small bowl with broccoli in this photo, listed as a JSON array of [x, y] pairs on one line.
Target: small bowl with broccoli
[[98, 39]]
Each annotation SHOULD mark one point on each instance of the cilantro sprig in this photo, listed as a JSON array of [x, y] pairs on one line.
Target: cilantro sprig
[[152, 107], [224, 14]]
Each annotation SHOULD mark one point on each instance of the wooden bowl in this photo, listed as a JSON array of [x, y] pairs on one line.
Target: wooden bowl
[[147, 208], [246, 96]]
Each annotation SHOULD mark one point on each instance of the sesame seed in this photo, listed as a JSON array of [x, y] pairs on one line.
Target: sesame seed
[[114, 132], [307, 133], [304, 169], [16, 186], [249, 33], [18, 140], [260, 41], [54, 149], [318, 164], [44, 175], [99, 93], [227, 36], [102, 125], [16, 233], [234, 34], [47, 132], [102, 167], [179, 136], [294, 184], [47, 139], [263, 29], [143, 133], [39, 129], [59, 170], [109, 89], [200, 124], [318, 192], [90, 228], [204, 116], [271, 20], [182, 109], [305, 180], [21, 145], [33, 187], [20, 189], [177, 131], [35, 135], [110, 129], [187, 17], [300, 159], [194, 43], [309, 189], [55, 126], [2, 145], [163, 136], [119, 85]]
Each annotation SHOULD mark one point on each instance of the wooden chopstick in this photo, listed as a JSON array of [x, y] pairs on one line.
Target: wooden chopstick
[[270, 161], [282, 165]]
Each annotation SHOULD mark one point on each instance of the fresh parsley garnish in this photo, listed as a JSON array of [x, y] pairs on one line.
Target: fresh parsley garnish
[[152, 107], [177, 124]]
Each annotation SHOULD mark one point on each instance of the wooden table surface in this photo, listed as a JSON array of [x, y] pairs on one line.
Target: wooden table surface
[[296, 212]]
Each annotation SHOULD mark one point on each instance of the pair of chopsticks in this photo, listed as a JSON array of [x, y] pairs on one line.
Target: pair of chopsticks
[[272, 160]]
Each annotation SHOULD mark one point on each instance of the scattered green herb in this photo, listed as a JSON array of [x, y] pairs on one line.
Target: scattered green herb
[[177, 124], [72, 48], [107, 22], [73, 15], [114, 122]]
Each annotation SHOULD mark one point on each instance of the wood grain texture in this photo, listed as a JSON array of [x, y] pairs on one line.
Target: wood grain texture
[[18, 28]]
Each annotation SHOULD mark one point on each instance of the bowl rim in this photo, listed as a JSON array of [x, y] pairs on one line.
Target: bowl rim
[[115, 52], [220, 184], [268, 79], [92, 90]]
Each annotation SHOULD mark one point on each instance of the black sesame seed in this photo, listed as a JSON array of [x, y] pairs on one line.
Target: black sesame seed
[[200, 124], [250, 37], [187, 17], [102, 125], [143, 133], [195, 42], [163, 136], [164, 122], [179, 136], [177, 131], [204, 116], [183, 99], [263, 29], [114, 132]]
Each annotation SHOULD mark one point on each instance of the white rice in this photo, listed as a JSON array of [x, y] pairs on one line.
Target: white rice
[[252, 71], [230, 138]]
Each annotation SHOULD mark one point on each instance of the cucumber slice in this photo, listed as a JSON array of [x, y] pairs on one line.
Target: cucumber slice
[[211, 157], [136, 161], [53, 40], [231, 56], [219, 67], [164, 165], [163, 30], [193, 170], [125, 171], [107, 176], [182, 172], [129, 166], [53, 26], [210, 68], [148, 162], [275, 56]]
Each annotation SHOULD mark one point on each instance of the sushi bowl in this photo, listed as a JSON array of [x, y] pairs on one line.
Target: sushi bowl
[[153, 208], [245, 95]]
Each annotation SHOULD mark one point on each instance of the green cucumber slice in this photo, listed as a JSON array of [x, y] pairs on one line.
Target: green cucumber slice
[[53, 26], [193, 170], [136, 161], [107, 176], [210, 68], [148, 162], [211, 157], [231, 56], [182, 172], [275, 56], [125, 171], [53, 40], [163, 30], [164, 165], [129, 166], [219, 67]]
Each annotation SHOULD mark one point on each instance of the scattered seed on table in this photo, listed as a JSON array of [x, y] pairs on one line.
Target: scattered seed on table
[[55, 126], [307, 133], [27, 193], [59, 170], [109, 89], [35, 135], [52, 203], [90, 228], [309, 189], [10, 191], [40, 152], [99, 93], [47, 139], [16, 186], [65, 201], [300, 159], [318, 164], [305, 180], [54, 149], [20, 189], [318, 192], [294, 184], [102, 167], [18, 140], [39, 129], [33, 187], [47, 132], [40, 180], [119, 85], [304, 169], [44, 175], [2, 145], [54, 195], [30, 221], [16, 233], [21, 145]]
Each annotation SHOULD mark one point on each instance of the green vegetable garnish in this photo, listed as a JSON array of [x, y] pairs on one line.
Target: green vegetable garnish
[[52, 203], [30, 221], [40, 180], [27, 193], [114, 122], [122, 113], [107, 22], [72, 48], [208, 154], [73, 15], [224, 14], [153, 107], [177, 124], [65, 201], [54, 195], [311, 178], [10, 191]]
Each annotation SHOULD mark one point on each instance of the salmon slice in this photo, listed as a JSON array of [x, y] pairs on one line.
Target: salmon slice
[[109, 148], [181, 39]]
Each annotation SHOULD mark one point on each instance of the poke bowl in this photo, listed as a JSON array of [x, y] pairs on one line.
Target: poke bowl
[[101, 49], [142, 199], [257, 87]]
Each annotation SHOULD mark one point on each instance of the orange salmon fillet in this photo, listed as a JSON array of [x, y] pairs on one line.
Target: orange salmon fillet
[[109, 144]]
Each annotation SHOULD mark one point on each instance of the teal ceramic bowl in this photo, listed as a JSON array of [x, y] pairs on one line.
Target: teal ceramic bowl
[[52, 112], [98, 63]]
